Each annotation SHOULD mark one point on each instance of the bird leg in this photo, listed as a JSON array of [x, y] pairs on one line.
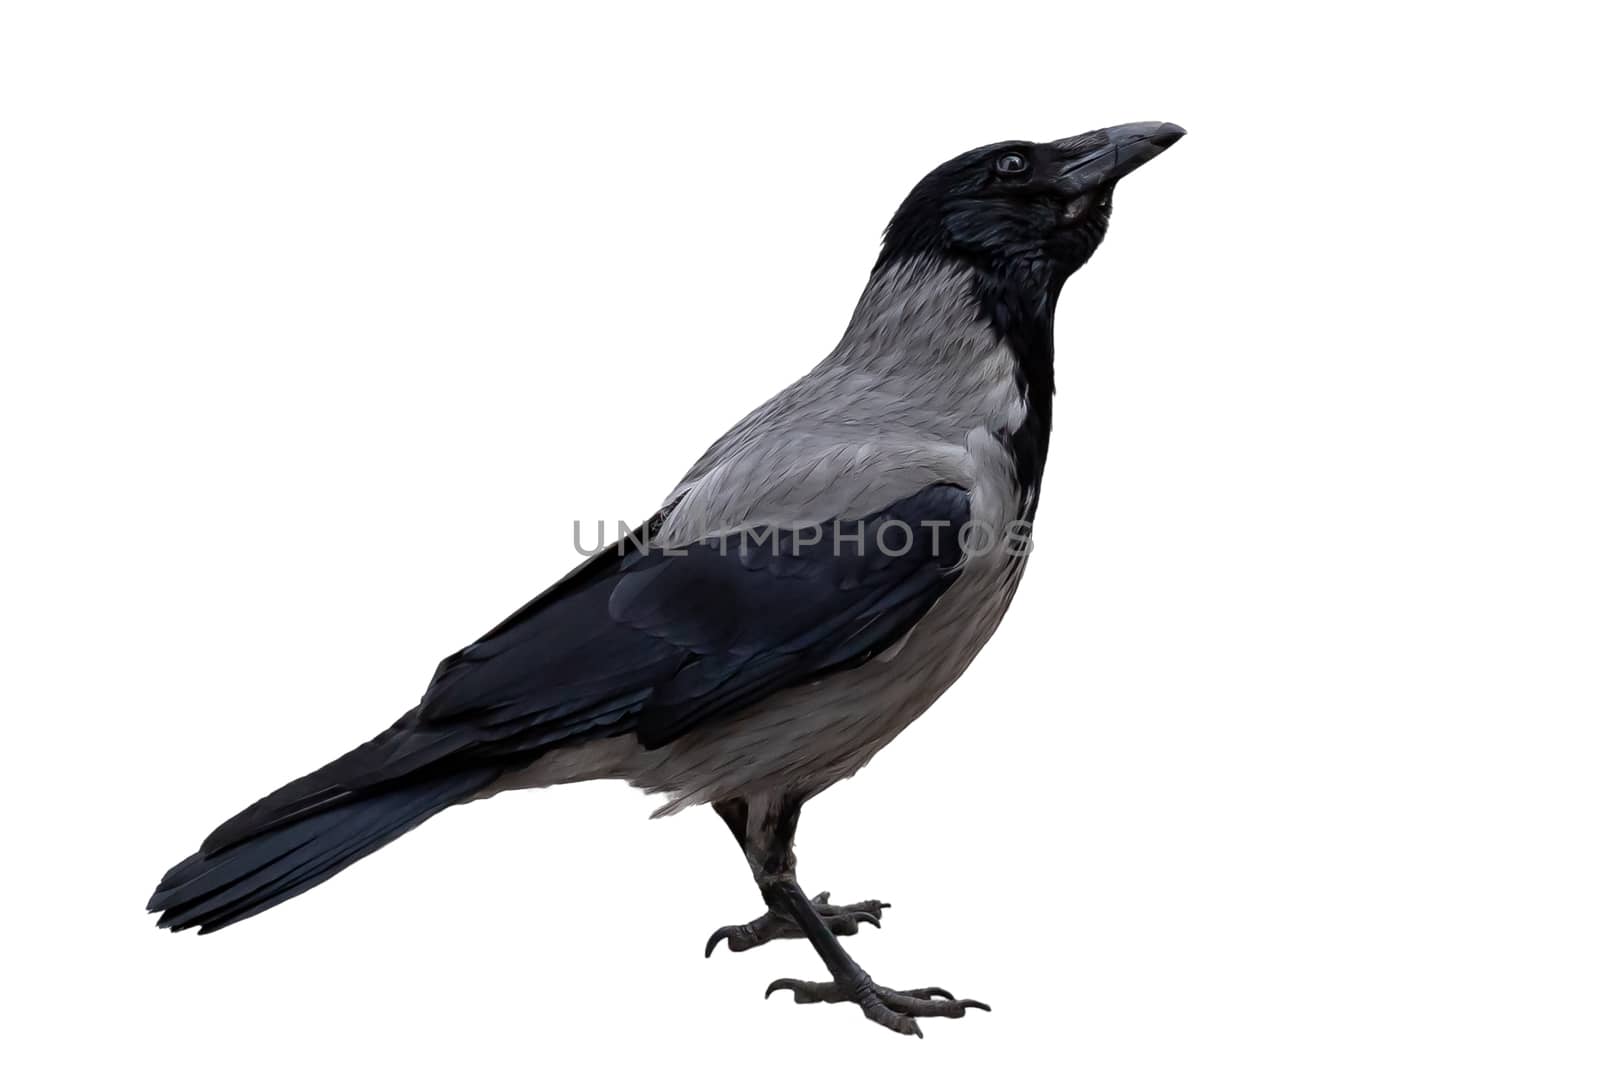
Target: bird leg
[[841, 920], [768, 844], [772, 925]]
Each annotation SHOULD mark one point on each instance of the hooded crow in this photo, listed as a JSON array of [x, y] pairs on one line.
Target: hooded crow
[[818, 578]]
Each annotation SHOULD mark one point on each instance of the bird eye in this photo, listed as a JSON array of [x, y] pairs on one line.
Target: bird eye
[[1012, 163]]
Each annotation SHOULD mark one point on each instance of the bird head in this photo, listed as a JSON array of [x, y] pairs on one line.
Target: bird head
[[1038, 208]]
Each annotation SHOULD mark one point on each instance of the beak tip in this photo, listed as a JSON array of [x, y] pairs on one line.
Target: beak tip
[[1167, 134]]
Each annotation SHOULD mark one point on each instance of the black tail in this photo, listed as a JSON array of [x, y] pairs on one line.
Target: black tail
[[218, 886]]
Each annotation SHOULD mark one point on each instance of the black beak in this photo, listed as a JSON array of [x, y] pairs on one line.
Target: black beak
[[1102, 157]]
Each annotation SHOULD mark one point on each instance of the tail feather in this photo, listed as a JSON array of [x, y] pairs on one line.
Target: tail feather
[[214, 889]]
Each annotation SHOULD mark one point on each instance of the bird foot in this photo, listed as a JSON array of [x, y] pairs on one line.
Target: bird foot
[[896, 1009], [840, 919]]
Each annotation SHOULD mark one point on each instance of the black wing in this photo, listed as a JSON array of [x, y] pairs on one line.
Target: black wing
[[654, 643], [660, 642]]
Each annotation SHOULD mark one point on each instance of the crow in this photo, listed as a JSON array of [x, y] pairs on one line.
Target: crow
[[818, 579]]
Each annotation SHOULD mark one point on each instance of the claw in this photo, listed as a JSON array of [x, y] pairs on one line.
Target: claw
[[721, 935], [791, 984]]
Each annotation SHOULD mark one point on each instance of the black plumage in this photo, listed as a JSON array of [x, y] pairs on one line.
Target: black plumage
[[642, 639]]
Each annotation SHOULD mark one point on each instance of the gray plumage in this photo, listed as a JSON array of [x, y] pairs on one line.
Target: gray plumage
[[738, 651], [916, 394]]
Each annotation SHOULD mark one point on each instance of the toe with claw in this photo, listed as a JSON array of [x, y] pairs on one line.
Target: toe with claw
[[841, 921], [896, 1009]]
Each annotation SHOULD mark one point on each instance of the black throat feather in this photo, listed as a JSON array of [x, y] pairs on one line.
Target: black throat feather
[[1019, 301]]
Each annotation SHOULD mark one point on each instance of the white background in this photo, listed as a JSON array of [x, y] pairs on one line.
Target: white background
[[322, 322]]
